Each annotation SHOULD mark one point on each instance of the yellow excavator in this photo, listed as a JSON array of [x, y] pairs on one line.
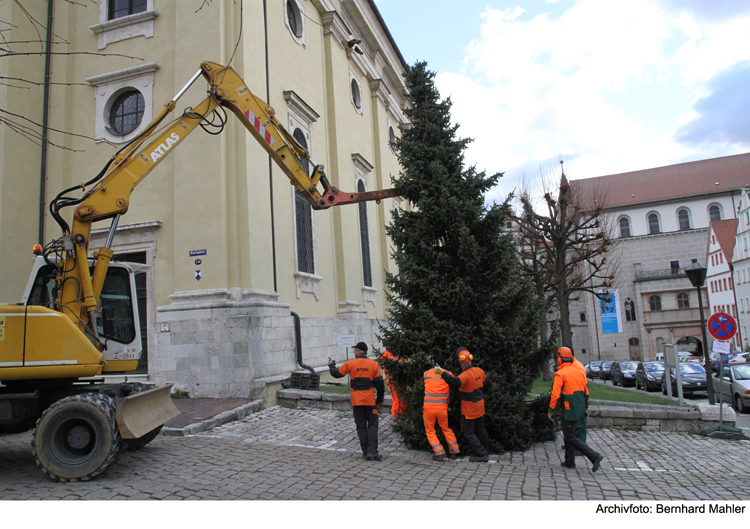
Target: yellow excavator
[[77, 321]]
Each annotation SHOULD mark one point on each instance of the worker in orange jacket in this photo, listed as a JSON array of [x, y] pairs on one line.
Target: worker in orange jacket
[[364, 375], [436, 397], [398, 405], [569, 393], [470, 385]]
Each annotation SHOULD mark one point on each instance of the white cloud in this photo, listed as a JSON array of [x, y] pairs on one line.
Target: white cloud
[[534, 86]]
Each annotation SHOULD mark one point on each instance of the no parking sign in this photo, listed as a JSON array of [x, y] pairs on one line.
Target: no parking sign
[[722, 326]]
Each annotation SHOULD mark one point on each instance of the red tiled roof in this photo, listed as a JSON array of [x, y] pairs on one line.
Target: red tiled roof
[[725, 231], [671, 182]]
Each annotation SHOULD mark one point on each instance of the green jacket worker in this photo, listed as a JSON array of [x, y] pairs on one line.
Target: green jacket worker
[[569, 393]]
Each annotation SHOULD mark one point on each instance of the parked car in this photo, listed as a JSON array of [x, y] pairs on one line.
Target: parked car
[[623, 373], [693, 359], [604, 368], [734, 386], [739, 358], [716, 358], [648, 375], [592, 369], [693, 379]]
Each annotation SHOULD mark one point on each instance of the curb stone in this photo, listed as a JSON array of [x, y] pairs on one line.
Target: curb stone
[[235, 414]]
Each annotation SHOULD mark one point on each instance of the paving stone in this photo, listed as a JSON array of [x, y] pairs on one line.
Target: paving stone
[[282, 453]]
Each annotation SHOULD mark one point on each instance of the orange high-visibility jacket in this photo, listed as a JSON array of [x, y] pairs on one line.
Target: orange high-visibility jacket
[[578, 365], [437, 393], [364, 374], [470, 384], [569, 391], [393, 358]]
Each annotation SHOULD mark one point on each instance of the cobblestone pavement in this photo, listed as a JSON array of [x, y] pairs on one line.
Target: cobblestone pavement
[[280, 453]]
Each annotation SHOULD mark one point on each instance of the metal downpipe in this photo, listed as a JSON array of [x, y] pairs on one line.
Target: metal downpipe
[[298, 339], [45, 121]]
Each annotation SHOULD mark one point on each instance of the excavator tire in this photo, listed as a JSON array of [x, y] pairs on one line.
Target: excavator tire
[[137, 444], [76, 438]]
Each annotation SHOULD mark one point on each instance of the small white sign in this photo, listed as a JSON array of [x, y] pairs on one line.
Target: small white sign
[[164, 327], [346, 340], [721, 347]]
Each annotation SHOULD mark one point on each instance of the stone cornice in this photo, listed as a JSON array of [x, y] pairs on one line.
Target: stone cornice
[[298, 105], [120, 75], [379, 89], [124, 21], [362, 164], [334, 25]]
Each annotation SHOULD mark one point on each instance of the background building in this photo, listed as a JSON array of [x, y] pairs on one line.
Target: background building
[[661, 217], [741, 267], [233, 251], [719, 277]]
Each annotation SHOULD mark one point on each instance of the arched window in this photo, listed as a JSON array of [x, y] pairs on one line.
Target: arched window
[[392, 139], [629, 310], [654, 302], [684, 219], [653, 224], [364, 237], [683, 301], [634, 341], [714, 213], [624, 227], [303, 219], [583, 316]]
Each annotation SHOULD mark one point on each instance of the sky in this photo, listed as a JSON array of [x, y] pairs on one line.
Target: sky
[[606, 86]]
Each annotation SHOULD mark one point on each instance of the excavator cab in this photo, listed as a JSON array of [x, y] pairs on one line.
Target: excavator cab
[[117, 309]]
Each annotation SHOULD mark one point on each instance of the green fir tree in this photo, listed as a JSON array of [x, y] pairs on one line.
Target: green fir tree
[[458, 283]]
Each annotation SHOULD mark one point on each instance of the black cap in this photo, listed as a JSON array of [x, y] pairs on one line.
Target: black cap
[[362, 346], [439, 360]]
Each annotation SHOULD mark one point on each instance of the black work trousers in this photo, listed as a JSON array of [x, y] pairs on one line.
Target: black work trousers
[[366, 419], [476, 434], [573, 443]]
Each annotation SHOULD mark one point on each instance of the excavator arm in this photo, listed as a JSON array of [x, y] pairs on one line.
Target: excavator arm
[[108, 195]]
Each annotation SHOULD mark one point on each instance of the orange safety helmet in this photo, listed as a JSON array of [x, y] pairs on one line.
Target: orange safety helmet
[[464, 355], [563, 354]]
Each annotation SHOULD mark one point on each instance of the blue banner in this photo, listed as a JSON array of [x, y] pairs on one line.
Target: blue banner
[[610, 312]]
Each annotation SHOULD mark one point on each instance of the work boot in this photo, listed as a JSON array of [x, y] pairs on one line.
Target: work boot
[[479, 459], [597, 461], [455, 456], [565, 465], [441, 457], [374, 457]]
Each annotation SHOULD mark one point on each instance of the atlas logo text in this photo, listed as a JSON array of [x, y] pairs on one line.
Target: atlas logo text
[[163, 148]]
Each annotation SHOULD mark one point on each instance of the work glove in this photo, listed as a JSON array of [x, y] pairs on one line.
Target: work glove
[[549, 415], [439, 371], [586, 415], [331, 362], [379, 400]]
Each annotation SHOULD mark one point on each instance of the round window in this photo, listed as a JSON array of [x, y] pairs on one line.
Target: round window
[[293, 16], [126, 112], [356, 97]]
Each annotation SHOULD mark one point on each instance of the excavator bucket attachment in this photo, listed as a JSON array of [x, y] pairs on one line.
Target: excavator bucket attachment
[[142, 412]]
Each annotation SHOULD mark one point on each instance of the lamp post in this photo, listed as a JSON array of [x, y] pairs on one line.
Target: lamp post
[[697, 275]]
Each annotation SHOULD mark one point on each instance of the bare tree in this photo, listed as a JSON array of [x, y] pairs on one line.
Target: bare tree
[[564, 251]]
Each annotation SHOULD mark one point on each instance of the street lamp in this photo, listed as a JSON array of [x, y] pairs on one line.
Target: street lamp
[[697, 275]]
